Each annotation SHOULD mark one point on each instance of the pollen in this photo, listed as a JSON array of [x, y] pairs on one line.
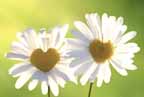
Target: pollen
[[101, 51], [45, 61]]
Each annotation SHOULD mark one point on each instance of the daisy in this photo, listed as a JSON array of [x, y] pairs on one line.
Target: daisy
[[99, 44], [42, 59]]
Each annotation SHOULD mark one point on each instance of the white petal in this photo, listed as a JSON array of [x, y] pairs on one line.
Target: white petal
[[133, 47], [120, 20], [91, 24], [32, 85], [119, 68], [44, 41], [104, 74], [126, 62], [113, 28], [19, 68], [68, 72], [75, 43], [22, 80], [59, 73], [16, 56], [53, 86], [128, 48], [30, 37], [101, 74], [83, 67], [82, 60], [44, 87], [124, 55], [107, 74], [94, 74], [121, 29], [57, 36], [117, 29], [87, 75], [80, 36], [23, 40], [58, 79], [99, 81], [105, 28], [131, 67], [53, 34], [79, 53], [65, 60], [62, 35], [41, 76], [83, 29], [128, 36], [94, 23], [20, 47]]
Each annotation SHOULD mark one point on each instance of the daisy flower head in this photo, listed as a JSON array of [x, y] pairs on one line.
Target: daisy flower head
[[101, 42], [42, 59]]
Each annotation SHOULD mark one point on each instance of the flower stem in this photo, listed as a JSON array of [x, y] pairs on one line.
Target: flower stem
[[48, 91], [90, 89]]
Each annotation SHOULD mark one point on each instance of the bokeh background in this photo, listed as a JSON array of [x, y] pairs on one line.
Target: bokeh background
[[17, 15]]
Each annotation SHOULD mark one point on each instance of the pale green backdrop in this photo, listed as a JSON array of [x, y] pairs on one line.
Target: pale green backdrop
[[17, 15]]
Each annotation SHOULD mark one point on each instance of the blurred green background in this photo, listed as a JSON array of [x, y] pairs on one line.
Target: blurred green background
[[17, 15]]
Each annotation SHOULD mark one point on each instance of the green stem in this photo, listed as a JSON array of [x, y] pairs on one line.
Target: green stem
[[48, 91], [90, 89]]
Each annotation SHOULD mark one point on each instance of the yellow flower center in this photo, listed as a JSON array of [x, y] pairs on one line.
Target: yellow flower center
[[45, 61], [101, 51]]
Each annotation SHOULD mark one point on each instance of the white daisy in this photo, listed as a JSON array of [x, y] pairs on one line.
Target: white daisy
[[42, 59], [101, 43]]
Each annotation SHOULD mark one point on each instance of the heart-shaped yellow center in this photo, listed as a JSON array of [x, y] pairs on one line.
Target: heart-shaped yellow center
[[101, 51], [45, 61]]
